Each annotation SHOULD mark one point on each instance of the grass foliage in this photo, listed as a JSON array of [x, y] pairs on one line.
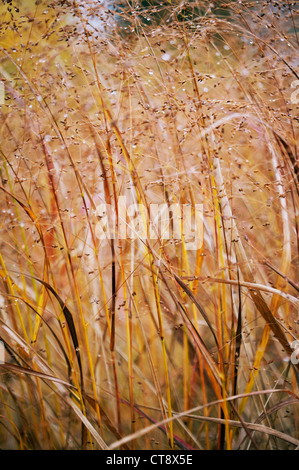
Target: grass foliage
[[143, 344]]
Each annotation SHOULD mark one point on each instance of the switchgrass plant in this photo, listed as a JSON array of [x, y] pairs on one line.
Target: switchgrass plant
[[141, 342]]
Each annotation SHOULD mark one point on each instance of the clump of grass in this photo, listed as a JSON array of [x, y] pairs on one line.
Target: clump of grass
[[141, 343]]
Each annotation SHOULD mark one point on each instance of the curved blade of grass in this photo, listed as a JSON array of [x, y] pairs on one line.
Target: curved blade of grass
[[28, 211], [70, 323], [251, 426], [177, 440], [277, 407], [292, 283], [148, 429], [87, 424], [24, 370], [105, 419], [19, 438], [5, 330], [27, 302], [199, 307], [254, 286]]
